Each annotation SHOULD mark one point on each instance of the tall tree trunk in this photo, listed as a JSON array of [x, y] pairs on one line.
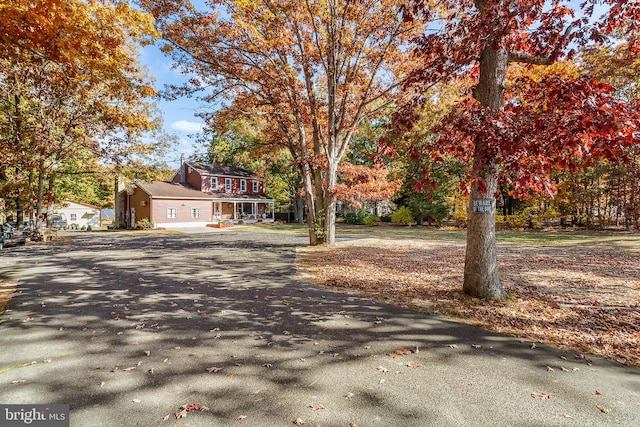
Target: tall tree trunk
[[330, 202], [481, 278]]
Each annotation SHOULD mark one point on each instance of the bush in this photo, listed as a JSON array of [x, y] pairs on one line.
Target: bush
[[362, 217], [145, 224], [372, 220], [460, 216], [403, 216]]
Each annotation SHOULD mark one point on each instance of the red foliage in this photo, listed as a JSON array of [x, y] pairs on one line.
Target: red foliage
[[558, 122], [546, 124], [361, 183]]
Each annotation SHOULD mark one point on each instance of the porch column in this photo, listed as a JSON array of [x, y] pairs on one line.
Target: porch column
[[254, 210], [273, 211], [235, 210]]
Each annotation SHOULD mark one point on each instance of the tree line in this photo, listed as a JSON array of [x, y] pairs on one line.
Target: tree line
[[75, 104], [503, 100]]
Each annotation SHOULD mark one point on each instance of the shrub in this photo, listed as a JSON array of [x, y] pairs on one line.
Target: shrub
[[145, 224], [403, 216], [372, 220], [460, 216], [362, 217]]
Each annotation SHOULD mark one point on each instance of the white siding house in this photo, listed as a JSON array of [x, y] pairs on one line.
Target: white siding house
[[79, 215]]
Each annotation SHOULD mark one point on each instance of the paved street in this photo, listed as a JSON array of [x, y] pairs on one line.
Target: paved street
[[127, 329]]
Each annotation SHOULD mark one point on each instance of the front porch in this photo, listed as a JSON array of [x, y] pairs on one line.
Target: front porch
[[237, 211]]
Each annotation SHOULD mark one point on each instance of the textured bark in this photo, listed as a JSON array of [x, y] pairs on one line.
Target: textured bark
[[481, 278]]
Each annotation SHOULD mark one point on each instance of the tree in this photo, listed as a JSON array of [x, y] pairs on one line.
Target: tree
[[543, 124], [315, 69], [70, 89]]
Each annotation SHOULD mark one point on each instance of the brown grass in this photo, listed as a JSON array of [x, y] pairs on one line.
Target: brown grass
[[7, 288], [582, 297]]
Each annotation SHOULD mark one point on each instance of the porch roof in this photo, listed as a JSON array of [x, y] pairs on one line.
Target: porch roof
[[240, 197]]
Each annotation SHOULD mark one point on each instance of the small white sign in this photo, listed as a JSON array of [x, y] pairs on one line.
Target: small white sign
[[483, 206]]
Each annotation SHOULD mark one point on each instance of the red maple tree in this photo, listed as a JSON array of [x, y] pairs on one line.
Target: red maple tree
[[521, 133]]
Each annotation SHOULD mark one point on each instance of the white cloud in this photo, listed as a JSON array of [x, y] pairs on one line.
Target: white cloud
[[185, 126]]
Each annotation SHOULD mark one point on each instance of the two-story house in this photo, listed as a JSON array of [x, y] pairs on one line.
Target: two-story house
[[199, 194]]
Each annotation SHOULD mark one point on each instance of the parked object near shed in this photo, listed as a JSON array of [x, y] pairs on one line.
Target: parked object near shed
[[9, 235]]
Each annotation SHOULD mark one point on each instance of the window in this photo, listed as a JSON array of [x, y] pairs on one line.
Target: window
[[243, 185], [227, 185], [195, 212], [214, 183], [171, 212], [143, 203], [73, 217], [256, 188]]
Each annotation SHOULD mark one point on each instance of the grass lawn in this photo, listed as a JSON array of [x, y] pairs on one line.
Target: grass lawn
[[577, 290]]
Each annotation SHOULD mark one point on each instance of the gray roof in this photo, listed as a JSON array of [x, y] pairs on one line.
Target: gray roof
[[209, 169], [175, 190], [172, 190]]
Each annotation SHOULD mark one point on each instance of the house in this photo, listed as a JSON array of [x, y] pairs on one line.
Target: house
[[79, 215], [199, 194]]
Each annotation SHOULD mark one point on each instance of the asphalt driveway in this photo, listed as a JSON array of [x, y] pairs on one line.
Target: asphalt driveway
[[128, 329]]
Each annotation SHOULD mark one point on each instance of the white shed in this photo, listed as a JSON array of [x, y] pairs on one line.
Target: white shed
[[79, 214]]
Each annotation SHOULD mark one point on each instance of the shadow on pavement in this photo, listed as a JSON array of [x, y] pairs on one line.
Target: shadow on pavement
[[127, 329]]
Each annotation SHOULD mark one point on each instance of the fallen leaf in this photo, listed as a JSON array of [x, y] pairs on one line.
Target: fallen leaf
[[18, 381], [414, 365], [349, 396], [213, 369], [546, 395], [583, 357], [602, 409], [316, 407], [533, 346], [204, 408], [241, 417], [131, 368], [550, 369], [137, 400], [382, 369], [353, 425], [564, 369], [476, 345], [566, 415], [597, 393], [181, 414], [166, 417], [268, 365], [298, 421], [453, 346]]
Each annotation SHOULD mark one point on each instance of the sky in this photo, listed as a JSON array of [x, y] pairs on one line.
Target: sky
[[179, 115]]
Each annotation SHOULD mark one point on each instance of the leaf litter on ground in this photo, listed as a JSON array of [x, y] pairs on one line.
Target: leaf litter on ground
[[581, 297]]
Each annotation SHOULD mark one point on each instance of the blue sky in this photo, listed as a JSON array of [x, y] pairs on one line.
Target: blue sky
[[179, 115]]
